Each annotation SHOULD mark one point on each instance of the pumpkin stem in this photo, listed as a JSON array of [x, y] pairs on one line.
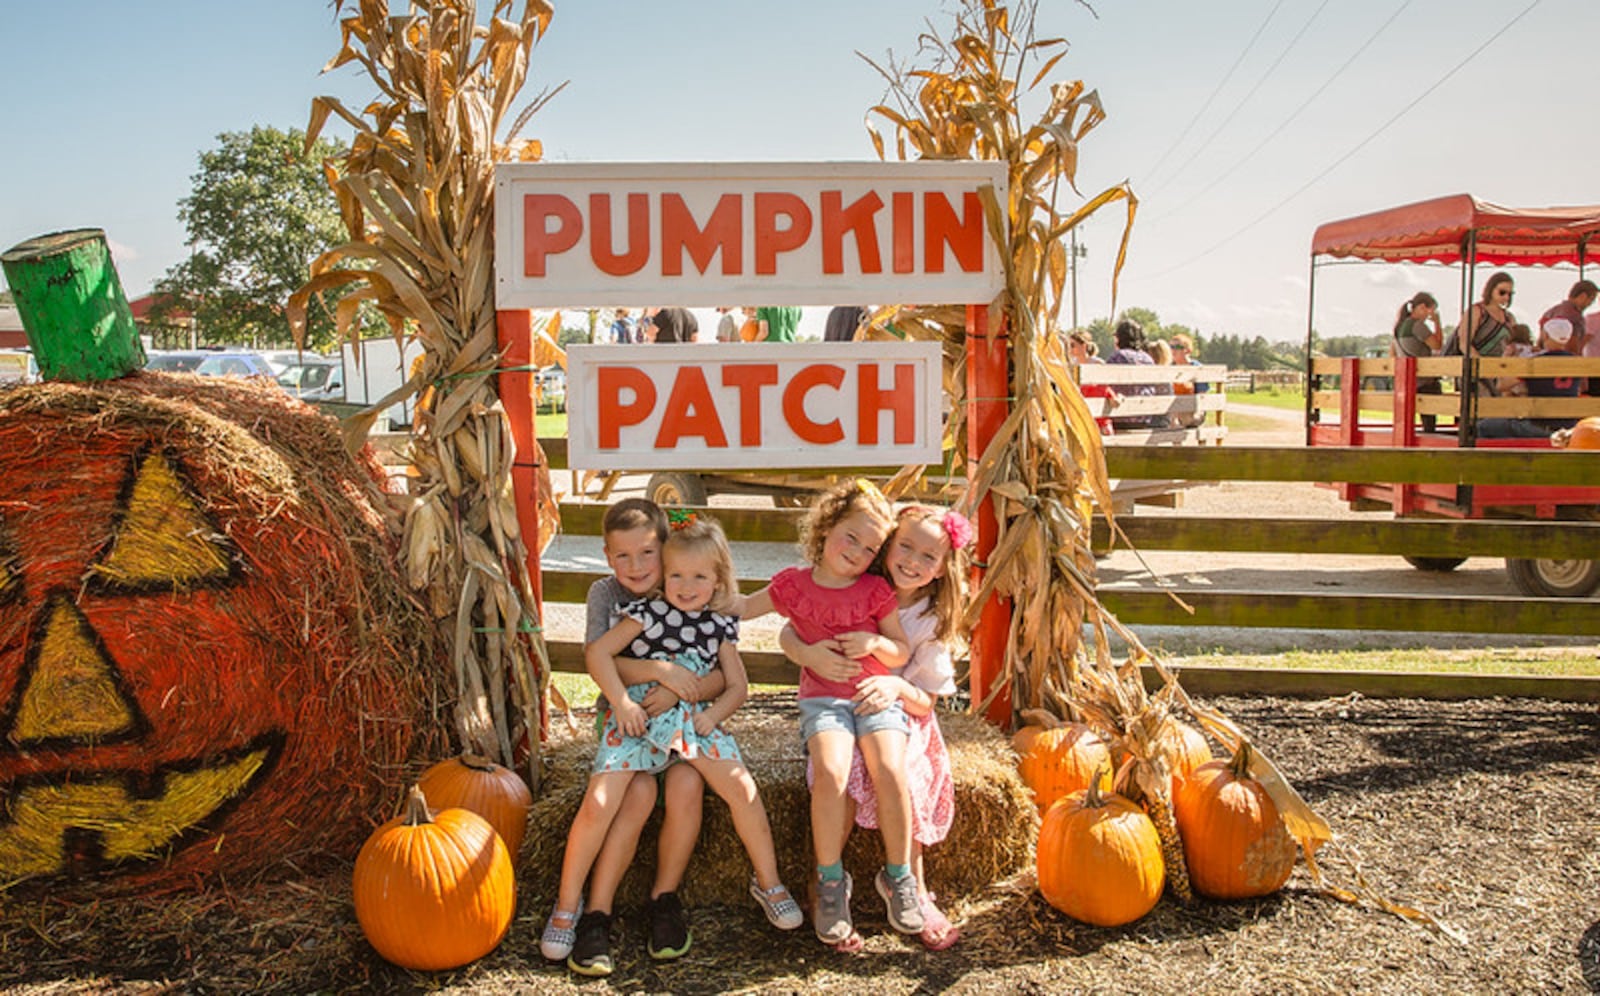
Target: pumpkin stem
[[417, 812], [1092, 797], [1240, 765], [477, 762]]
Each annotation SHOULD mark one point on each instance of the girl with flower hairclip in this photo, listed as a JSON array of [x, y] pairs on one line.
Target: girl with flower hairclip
[[925, 560]]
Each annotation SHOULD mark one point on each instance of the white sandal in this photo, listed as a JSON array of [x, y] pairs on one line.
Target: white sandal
[[779, 906], [556, 942]]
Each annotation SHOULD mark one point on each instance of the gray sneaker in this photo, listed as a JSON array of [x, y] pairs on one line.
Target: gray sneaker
[[831, 916], [900, 898]]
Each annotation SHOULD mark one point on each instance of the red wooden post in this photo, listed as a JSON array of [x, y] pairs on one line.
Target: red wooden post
[[1404, 431], [515, 330], [988, 404], [1349, 413]]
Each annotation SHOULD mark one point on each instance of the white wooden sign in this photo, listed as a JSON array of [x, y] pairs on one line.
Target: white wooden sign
[[737, 234], [749, 405]]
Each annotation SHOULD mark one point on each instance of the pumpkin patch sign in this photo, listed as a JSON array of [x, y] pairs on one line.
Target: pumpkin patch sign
[[208, 662]]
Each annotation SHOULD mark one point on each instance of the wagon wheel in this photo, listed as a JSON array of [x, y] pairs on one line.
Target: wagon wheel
[[1554, 578], [676, 489], [1439, 564]]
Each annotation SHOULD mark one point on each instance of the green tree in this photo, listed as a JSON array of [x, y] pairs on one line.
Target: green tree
[[259, 213]]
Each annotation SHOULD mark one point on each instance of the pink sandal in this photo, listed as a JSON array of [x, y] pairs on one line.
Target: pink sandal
[[937, 931]]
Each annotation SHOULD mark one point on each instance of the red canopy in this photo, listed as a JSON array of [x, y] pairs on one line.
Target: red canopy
[[1437, 231]]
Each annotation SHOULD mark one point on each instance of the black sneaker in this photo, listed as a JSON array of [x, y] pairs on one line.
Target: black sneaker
[[669, 928], [591, 953]]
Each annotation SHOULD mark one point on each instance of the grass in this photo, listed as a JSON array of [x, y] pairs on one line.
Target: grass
[[550, 425], [1552, 661], [1289, 400]]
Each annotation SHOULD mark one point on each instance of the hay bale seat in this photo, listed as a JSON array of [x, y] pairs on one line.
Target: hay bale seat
[[991, 839]]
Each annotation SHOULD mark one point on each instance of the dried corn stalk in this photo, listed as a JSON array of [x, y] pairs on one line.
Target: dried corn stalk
[[1045, 469], [416, 191]]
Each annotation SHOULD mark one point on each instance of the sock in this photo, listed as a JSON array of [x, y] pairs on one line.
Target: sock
[[831, 873], [897, 871]]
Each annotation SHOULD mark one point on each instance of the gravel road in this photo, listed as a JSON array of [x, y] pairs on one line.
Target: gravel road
[[1156, 569]]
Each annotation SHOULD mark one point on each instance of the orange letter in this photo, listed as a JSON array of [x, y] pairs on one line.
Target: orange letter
[[690, 412], [905, 252], [750, 378], [794, 403], [900, 401], [638, 252], [724, 230], [614, 415], [769, 240], [537, 239], [963, 236], [837, 220]]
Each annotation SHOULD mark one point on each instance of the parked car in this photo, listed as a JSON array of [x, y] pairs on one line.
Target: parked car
[[553, 389], [17, 366], [174, 360], [235, 363], [313, 378]]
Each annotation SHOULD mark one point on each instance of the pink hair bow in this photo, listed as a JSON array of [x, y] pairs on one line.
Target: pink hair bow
[[958, 528]]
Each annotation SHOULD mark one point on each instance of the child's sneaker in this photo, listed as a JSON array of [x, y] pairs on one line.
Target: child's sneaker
[[831, 915], [560, 931], [669, 928], [900, 899], [938, 932], [781, 909], [591, 953]]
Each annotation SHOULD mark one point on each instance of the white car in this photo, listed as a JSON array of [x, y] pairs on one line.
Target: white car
[[313, 378]]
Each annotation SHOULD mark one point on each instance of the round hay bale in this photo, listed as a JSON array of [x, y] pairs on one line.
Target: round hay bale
[[992, 838], [209, 661]]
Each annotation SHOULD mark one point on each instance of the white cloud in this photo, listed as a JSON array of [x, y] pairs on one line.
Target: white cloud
[[121, 252], [1387, 277], [1297, 281]]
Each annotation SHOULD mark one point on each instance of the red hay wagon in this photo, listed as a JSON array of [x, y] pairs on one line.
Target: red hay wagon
[[1464, 232]]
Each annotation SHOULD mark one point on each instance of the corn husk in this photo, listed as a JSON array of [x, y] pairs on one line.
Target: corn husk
[[416, 192]]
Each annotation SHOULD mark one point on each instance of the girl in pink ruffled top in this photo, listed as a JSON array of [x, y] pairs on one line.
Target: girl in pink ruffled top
[[835, 601], [926, 562]]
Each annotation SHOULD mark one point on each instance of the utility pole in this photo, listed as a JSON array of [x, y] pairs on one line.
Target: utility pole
[[1075, 252]]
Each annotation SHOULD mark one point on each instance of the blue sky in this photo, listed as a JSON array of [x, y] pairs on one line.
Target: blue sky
[[111, 104]]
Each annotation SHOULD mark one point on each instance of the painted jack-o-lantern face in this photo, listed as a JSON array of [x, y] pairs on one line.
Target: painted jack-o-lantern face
[[163, 713]]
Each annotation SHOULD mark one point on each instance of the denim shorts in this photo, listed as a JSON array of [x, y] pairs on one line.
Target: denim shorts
[[824, 714]]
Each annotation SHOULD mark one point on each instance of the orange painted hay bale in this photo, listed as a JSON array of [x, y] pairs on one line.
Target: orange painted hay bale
[[209, 661]]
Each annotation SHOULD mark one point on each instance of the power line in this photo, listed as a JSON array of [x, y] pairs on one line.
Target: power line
[[1219, 129], [1207, 105], [1358, 146], [1225, 174]]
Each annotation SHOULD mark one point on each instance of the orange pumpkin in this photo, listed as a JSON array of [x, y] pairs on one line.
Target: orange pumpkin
[[1585, 435], [209, 663], [1062, 760], [1099, 859], [434, 890], [491, 790], [1234, 840], [1186, 749]]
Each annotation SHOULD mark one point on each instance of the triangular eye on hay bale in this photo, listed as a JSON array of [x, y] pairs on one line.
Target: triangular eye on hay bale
[[209, 662]]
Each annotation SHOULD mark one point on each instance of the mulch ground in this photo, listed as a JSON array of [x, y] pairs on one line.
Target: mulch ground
[[1484, 814]]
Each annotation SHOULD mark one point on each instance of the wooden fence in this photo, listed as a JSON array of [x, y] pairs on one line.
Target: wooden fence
[[1278, 609]]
